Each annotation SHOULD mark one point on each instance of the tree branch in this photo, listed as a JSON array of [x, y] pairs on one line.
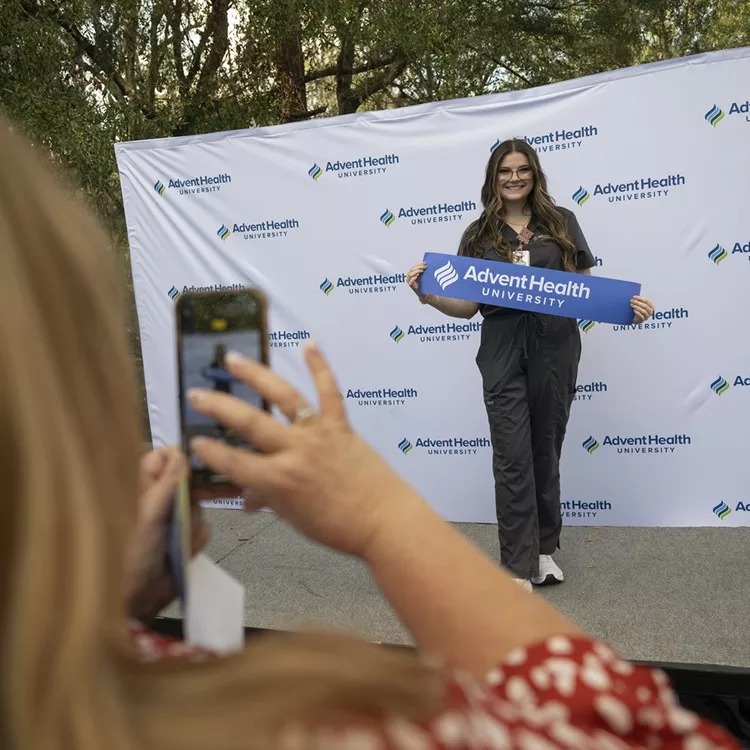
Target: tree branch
[[154, 60], [177, 45], [97, 55], [503, 65], [217, 27], [332, 70], [373, 84], [561, 6], [297, 116], [198, 54]]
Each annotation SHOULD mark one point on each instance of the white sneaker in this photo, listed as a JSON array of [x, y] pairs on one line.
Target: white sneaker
[[524, 583], [549, 572]]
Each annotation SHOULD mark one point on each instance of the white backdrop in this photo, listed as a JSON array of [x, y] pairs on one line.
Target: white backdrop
[[655, 161]]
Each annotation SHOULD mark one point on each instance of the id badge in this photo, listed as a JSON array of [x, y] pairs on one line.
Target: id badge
[[521, 257]]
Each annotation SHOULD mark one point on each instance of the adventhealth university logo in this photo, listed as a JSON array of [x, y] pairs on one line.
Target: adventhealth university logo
[[528, 289], [193, 185], [715, 115], [558, 140], [381, 397], [287, 339], [718, 254], [721, 386], [374, 284], [454, 446], [582, 509], [660, 319], [642, 188], [362, 166], [437, 213], [653, 443], [722, 510], [174, 293], [270, 229], [587, 391], [436, 334]]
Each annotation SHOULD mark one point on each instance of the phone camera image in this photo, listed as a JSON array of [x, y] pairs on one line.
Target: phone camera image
[[210, 327]]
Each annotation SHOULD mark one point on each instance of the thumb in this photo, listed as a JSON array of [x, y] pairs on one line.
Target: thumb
[[157, 497]]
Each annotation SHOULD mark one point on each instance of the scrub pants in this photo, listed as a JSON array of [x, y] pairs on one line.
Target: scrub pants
[[529, 365]]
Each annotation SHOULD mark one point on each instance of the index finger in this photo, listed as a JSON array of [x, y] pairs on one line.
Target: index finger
[[329, 396]]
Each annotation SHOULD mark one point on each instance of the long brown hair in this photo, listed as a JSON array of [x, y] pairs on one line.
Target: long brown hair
[[69, 448], [488, 228]]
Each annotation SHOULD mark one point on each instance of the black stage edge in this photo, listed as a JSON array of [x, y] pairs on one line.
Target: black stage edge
[[721, 694]]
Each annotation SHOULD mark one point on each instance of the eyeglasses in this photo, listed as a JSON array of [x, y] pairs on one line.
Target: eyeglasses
[[523, 173]]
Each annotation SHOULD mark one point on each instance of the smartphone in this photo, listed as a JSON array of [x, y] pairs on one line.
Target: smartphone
[[210, 324], [179, 537]]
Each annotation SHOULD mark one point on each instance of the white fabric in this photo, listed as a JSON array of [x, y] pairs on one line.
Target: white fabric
[[215, 607], [348, 199]]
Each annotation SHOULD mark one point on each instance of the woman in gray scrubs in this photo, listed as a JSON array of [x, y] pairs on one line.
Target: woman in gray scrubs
[[528, 361]]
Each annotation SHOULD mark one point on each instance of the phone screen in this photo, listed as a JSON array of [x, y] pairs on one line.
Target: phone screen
[[209, 326]]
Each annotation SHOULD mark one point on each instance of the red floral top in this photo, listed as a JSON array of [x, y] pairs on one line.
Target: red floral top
[[564, 694]]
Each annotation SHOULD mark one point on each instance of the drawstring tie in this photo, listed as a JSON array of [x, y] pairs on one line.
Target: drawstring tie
[[527, 322]]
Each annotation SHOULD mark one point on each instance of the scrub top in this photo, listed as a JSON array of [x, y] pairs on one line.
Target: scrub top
[[544, 252]]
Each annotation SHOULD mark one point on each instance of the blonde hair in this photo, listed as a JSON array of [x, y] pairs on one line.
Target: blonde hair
[[69, 448]]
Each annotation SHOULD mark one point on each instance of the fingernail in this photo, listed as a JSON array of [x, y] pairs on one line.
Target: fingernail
[[233, 357], [196, 395], [312, 345]]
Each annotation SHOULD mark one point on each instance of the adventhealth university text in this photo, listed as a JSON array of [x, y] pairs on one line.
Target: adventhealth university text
[[363, 166], [438, 212], [530, 284], [640, 189], [647, 443], [452, 446], [203, 184], [560, 140]]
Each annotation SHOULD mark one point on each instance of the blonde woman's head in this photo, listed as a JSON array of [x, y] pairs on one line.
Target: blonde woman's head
[[69, 446]]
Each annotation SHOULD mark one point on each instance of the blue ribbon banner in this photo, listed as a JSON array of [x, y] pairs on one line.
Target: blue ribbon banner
[[570, 295]]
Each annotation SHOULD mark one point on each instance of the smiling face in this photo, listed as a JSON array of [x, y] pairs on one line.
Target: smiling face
[[515, 178]]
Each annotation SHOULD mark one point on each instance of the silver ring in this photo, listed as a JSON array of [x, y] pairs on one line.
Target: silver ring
[[303, 414]]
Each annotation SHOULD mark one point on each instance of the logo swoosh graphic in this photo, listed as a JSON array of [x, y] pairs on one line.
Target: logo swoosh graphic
[[718, 254], [446, 275], [714, 116], [387, 217], [405, 446], [722, 510], [719, 386], [590, 444], [581, 195]]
